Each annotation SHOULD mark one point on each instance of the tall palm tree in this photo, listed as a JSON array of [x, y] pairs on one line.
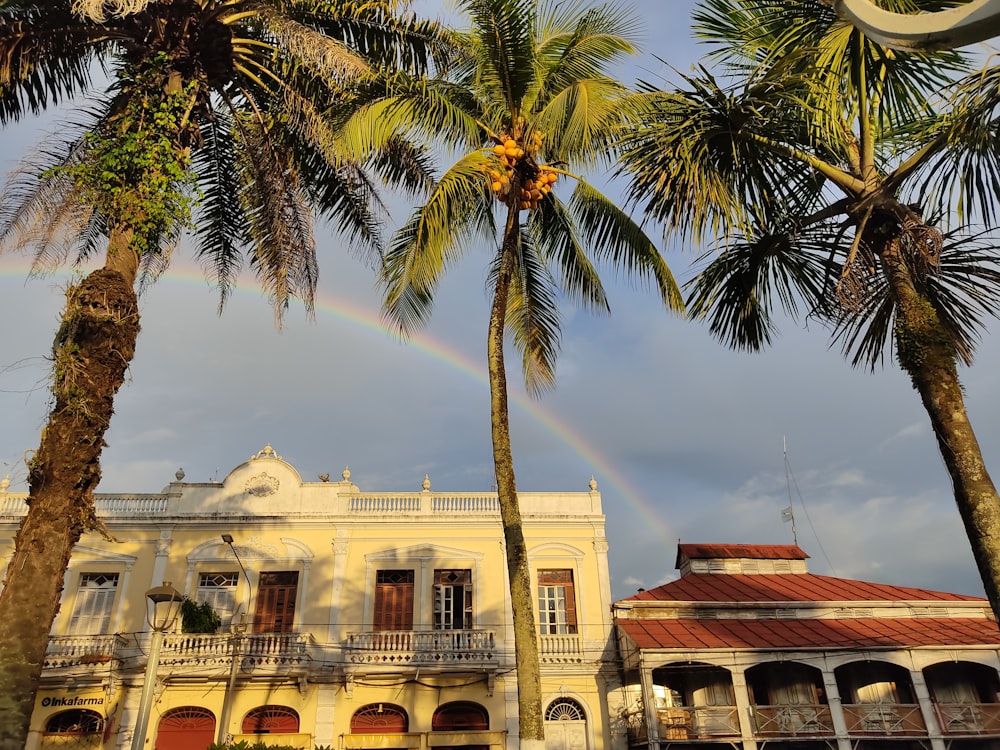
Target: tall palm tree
[[532, 102], [213, 117], [807, 161]]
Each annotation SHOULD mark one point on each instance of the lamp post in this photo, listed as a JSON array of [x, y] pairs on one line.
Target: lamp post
[[234, 668], [162, 608], [971, 22]]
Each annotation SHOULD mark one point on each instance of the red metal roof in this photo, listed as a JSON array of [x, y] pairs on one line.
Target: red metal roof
[[787, 587], [740, 551], [811, 633]]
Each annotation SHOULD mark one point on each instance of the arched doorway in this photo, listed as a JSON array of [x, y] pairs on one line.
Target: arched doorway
[[565, 725], [379, 718], [184, 728], [271, 720]]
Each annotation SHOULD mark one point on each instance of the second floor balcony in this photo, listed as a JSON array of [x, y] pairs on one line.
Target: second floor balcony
[[92, 651], [467, 648]]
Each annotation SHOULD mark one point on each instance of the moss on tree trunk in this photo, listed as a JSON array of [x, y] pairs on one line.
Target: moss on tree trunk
[[91, 353], [927, 355]]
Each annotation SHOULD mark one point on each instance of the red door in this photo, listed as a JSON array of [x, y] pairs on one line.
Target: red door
[[276, 595]]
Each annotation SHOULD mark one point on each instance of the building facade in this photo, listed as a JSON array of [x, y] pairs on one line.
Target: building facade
[[748, 649], [350, 619]]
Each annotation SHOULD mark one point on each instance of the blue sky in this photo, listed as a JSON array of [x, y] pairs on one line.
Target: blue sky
[[685, 438]]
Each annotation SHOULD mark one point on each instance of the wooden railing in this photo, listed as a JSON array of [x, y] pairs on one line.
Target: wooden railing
[[884, 720], [423, 647], [792, 721], [698, 722], [968, 718]]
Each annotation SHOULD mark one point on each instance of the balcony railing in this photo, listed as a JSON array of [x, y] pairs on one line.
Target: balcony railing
[[792, 721], [258, 649], [455, 647], [698, 722], [884, 719], [560, 649], [78, 650], [968, 718]]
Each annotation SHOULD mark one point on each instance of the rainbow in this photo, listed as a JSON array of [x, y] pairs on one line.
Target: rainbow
[[370, 322]]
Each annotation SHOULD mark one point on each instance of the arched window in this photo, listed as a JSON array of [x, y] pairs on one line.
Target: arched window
[[76, 723], [564, 709], [379, 718], [271, 720], [185, 727], [460, 716]]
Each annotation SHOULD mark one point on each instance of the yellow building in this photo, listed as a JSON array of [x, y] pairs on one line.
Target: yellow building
[[349, 619]]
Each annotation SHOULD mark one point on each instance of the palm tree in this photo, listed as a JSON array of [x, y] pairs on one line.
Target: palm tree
[[808, 160], [219, 105], [532, 98]]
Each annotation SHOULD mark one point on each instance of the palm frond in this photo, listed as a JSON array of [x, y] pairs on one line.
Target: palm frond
[[279, 228], [615, 237], [504, 31], [45, 57], [742, 285], [555, 236], [221, 232], [459, 210], [533, 316]]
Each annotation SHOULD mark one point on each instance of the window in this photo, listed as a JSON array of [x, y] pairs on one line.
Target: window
[[95, 601], [185, 727], [77, 723], [393, 600], [460, 716], [379, 718], [452, 599], [271, 720], [556, 602], [218, 590], [276, 594]]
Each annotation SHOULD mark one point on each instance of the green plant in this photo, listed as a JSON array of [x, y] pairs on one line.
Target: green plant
[[198, 618]]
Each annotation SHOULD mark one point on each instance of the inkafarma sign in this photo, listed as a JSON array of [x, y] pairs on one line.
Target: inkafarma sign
[[71, 701]]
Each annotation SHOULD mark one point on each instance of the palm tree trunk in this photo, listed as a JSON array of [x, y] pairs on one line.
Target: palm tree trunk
[[926, 353], [529, 683], [92, 351]]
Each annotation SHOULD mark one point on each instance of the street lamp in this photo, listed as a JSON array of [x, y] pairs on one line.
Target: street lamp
[[234, 667], [971, 22], [162, 608]]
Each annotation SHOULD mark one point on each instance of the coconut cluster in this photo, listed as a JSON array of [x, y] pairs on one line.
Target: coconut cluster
[[517, 157]]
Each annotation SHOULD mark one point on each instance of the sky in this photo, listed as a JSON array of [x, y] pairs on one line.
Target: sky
[[686, 439]]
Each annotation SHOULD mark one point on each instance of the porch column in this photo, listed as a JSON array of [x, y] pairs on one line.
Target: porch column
[[744, 713], [836, 707], [649, 706], [923, 696]]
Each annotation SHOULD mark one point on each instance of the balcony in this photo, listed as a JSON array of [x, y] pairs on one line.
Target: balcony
[[460, 648], [277, 650], [884, 720], [792, 721], [560, 649], [698, 722], [91, 651], [968, 719]]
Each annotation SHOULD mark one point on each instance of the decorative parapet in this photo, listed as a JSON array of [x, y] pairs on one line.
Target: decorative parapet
[[91, 651], [439, 647]]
